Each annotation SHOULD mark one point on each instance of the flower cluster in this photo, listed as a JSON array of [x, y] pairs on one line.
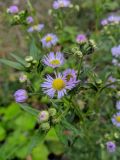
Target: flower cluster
[[116, 55], [62, 82], [110, 19]]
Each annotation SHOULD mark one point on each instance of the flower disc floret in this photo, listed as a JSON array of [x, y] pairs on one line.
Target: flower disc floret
[[58, 84], [116, 119]]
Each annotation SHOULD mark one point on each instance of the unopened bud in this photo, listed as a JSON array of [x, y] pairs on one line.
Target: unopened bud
[[45, 126], [52, 112], [28, 65], [29, 59], [43, 116], [22, 78], [79, 54], [34, 61], [74, 49]]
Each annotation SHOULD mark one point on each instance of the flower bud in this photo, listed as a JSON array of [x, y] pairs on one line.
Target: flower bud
[[20, 95], [28, 65], [45, 126], [29, 59], [52, 112], [55, 120], [77, 7], [79, 54], [43, 116], [34, 61], [22, 78], [74, 49]]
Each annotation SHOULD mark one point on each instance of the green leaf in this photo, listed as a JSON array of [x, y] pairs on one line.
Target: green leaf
[[28, 109], [34, 51], [38, 137], [19, 59], [12, 64]]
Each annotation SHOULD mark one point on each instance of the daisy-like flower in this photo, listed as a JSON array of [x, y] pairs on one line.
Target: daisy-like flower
[[116, 119], [49, 40], [54, 60], [57, 85], [13, 9], [81, 38], [30, 19], [116, 51], [20, 96], [71, 77], [37, 28], [111, 147], [61, 4], [118, 105], [104, 22]]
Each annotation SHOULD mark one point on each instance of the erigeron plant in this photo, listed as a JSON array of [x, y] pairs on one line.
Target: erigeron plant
[[65, 86]]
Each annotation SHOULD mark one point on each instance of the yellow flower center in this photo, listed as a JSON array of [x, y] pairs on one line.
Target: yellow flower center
[[68, 77], [58, 84], [117, 118], [55, 62], [48, 38]]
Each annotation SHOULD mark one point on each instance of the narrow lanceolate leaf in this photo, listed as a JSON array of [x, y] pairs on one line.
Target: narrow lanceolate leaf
[[34, 51], [36, 138], [30, 110], [12, 64], [19, 59]]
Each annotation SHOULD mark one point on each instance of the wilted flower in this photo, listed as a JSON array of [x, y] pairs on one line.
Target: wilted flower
[[71, 76], [116, 51], [13, 9], [118, 105], [61, 4], [20, 95], [29, 19], [57, 85], [111, 147], [81, 38], [54, 59], [49, 40], [116, 119], [43, 116], [37, 28]]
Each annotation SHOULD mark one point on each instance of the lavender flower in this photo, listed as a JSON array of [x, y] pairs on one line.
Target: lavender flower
[[13, 9], [116, 51], [71, 77], [29, 19], [111, 80], [111, 147], [118, 105], [49, 40], [57, 85], [104, 22], [114, 19], [37, 28], [61, 4], [116, 119], [20, 95], [54, 60], [81, 38]]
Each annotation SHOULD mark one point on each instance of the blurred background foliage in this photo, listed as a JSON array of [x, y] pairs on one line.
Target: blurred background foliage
[[16, 126]]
